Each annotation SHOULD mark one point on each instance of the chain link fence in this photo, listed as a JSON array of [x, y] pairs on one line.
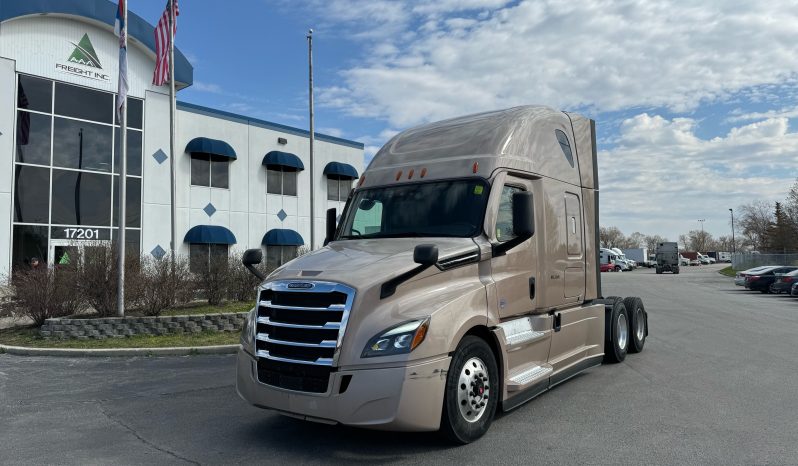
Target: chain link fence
[[747, 261]]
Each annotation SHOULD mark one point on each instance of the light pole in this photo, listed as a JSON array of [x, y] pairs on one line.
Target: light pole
[[701, 221], [734, 244]]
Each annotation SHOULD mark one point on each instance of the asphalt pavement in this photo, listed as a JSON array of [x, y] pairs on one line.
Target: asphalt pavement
[[717, 383]]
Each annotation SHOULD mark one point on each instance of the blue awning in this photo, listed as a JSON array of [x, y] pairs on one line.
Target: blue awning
[[209, 234], [283, 159], [211, 146], [282, 237], [341, 170]]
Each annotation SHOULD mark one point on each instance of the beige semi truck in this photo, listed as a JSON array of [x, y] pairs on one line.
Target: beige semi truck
[[462, 278]]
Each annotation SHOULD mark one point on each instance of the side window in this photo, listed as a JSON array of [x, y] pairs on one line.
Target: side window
[[504, 219], [368, 217]]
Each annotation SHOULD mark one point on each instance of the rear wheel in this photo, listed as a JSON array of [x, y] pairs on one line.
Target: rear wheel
[[659, 271], [472, 392], [676, 270], [638, 323], [616, 332], [617, 268]]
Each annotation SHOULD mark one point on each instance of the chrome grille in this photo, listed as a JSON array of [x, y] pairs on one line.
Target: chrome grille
[[300, 327]]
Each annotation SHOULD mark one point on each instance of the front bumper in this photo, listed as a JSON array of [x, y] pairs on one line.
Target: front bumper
[[406, 398]]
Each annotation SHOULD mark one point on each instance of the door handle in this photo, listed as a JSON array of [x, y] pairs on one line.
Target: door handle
[[532, 288]]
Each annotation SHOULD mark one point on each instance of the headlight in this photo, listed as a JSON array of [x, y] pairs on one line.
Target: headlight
[[249, 330], [397, 340]]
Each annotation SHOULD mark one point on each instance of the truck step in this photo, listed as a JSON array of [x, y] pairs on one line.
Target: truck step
[[520, 331], [527, 376]]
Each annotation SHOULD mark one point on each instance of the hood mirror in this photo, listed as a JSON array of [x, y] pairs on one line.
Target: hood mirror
[[250, 259], [425, 254]]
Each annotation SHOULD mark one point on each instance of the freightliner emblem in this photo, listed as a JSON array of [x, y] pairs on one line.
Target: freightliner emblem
[[301, 285]]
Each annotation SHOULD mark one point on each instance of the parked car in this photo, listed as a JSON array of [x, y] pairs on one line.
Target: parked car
[[761, 281], [794, 290], [610, 268], [695, 262], [784, 282], [683, 260], [739, 279]]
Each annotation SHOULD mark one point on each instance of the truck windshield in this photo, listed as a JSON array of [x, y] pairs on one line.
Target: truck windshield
[[442, 208]]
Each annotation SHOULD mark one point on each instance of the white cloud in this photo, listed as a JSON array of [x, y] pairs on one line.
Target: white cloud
[[660, 178], [592, 55], [206, 87]]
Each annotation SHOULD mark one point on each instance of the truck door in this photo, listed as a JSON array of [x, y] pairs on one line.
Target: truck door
[[514, 273]]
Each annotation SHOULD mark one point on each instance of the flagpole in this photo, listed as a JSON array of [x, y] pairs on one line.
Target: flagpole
[[172, 153], [312, 177], [120, 296]]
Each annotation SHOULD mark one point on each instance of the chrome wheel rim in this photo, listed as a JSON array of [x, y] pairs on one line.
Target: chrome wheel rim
[[623, 331], [640, 331], [473, 390]]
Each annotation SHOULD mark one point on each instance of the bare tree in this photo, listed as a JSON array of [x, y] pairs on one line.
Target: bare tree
[[755, 220], [652, 242], [611, 237]]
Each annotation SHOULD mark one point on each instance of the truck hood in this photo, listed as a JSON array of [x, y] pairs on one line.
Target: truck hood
[[364, 262]]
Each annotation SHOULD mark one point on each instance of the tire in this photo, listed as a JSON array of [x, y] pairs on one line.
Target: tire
[[617, 268], [463, 426], [638, 323], [616, 332], [659, 271], [676, 270], [765, 291]]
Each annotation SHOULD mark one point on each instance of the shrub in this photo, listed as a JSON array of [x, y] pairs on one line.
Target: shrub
[[98, 277], [44, 293], [165, 282], [214, 282]]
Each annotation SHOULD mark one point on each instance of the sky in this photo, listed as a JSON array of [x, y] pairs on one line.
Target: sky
[[696, 103]]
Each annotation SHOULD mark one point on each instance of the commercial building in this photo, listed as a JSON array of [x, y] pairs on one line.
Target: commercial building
[[240, 182]]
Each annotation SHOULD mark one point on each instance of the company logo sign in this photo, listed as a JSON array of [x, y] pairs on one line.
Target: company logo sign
[[84, 55]]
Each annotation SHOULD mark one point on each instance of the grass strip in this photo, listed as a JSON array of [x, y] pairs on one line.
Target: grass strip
[[728, 271], [29, 337]]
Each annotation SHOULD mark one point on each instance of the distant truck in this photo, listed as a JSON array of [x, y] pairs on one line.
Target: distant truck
[[639, 255], [608, 256], [668, 257], [720, 256], [461, 280]]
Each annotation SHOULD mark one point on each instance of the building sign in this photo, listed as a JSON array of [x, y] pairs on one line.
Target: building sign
[[81, 234], [85, 56]]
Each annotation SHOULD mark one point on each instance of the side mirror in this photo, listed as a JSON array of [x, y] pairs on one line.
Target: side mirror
[[425, 254], [250, 259], [330, 226], [523, 222], [523, 214]]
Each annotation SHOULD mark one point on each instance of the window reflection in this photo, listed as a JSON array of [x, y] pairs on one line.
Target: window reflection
[[78, 144], [33, 138], [35, 94], [134, 145], [31, 194], [81, 198], [86, 104]]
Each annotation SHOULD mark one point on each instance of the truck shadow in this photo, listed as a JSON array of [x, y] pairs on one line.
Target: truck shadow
[[309, 441]]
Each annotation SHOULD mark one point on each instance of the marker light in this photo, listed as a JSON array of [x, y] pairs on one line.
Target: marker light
[[362, 179], [410, 174], [423, 172], [475, 167], [401, 339], [398, 175]]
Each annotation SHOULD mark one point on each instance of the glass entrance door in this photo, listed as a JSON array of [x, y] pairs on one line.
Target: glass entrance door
[[65, 252]]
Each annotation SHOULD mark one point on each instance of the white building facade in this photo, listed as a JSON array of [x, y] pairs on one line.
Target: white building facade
[[240, 182]]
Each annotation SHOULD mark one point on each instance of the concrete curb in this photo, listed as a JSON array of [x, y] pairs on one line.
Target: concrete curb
[[106, 352]]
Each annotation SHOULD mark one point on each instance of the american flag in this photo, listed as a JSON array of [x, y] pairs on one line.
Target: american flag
[[161, 74]]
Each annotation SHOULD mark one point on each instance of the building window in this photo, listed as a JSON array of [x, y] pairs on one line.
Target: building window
[[338, 188], [67, 144], [204, 256], [210, 170], [279, 255], [280, 180]]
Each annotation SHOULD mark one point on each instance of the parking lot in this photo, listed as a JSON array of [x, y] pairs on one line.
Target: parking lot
[[716, 384]]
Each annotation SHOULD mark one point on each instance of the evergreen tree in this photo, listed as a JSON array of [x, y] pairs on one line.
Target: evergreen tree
[[781, 235]]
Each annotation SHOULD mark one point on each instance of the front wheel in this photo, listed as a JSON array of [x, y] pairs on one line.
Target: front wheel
[[617, 268], [472, 392]]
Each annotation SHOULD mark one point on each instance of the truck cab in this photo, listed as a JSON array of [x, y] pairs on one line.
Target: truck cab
[[462, 278]]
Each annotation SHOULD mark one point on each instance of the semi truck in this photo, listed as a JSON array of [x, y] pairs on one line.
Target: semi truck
[[668, 257], [461, 279]]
